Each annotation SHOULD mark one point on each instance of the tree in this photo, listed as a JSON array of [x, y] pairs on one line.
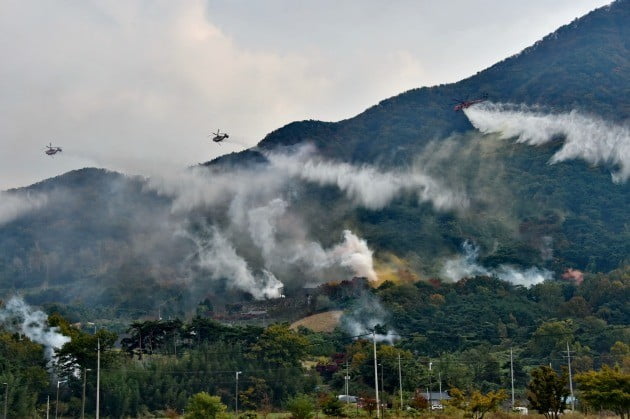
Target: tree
[[204, 406], [476, 403], [621, 354], [606, 389], [547, 391], [551, 337], [278, 345], [369, 404], [301, 407], [330, 405], [255, 394], [81, 352]]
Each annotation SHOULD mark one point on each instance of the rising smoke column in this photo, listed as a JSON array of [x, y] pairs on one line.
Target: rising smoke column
[[19, 317], [217, 257], [586, 137], [366, 313], [352, 253], [466, 265], [355, 254]]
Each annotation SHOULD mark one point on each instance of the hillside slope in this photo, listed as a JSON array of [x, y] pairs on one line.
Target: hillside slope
[[132, 245]]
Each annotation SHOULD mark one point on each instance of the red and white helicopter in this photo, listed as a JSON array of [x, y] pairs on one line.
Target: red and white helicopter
[[463, 104]]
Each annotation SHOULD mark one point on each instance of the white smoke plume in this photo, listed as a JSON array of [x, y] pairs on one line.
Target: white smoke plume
[[353, 253], [258, 209], [466, 266], [202, 187], [586, 137], [366, 314], [18, 317], [219, 259], [365, 185], [13, 206], [262, 227], [293, 247], [527, 278]]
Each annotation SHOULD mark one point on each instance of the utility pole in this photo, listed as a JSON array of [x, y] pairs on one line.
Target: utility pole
[[6, 399], [400, 382], [382, 386], [376, 375], [98, 379], [570, 378], [430, 384], [85, 370], [512, 375], [236, 394], [347, 378]]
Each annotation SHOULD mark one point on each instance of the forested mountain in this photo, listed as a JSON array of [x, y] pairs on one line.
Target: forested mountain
[[460, 239], [410, 176]]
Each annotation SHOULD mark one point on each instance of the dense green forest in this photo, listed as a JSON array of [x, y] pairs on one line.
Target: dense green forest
[[465, 330]]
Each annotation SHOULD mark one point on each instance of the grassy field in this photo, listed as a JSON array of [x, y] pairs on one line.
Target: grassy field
[[320, 322]]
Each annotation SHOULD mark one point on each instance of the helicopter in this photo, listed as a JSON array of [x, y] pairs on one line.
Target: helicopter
[[219, 136], [51, 151], [463, 104]]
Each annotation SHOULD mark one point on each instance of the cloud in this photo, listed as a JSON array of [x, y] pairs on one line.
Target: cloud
[[585, 137], [13, 206], [135, 88], [466, 266]]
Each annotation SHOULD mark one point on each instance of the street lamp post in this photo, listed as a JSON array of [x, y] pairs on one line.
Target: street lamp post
[[57, 402], [382, 389], [236, 393], [6, 399], [98, 378]]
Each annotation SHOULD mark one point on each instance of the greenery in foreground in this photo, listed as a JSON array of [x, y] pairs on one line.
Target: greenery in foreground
[[465, 330]]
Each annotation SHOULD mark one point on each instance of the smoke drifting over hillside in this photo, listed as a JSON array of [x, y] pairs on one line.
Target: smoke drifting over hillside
[[585, 137], [366, 314], [258, 224], [466, 266], [13, 205], [365, 185], [18, 317]]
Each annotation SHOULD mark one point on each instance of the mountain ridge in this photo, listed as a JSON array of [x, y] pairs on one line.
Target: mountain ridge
[[491, 81]]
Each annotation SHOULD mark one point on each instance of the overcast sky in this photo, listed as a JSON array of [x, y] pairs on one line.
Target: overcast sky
[[137, 86]]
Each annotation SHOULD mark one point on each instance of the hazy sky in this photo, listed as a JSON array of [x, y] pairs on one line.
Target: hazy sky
[[138, 85]]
